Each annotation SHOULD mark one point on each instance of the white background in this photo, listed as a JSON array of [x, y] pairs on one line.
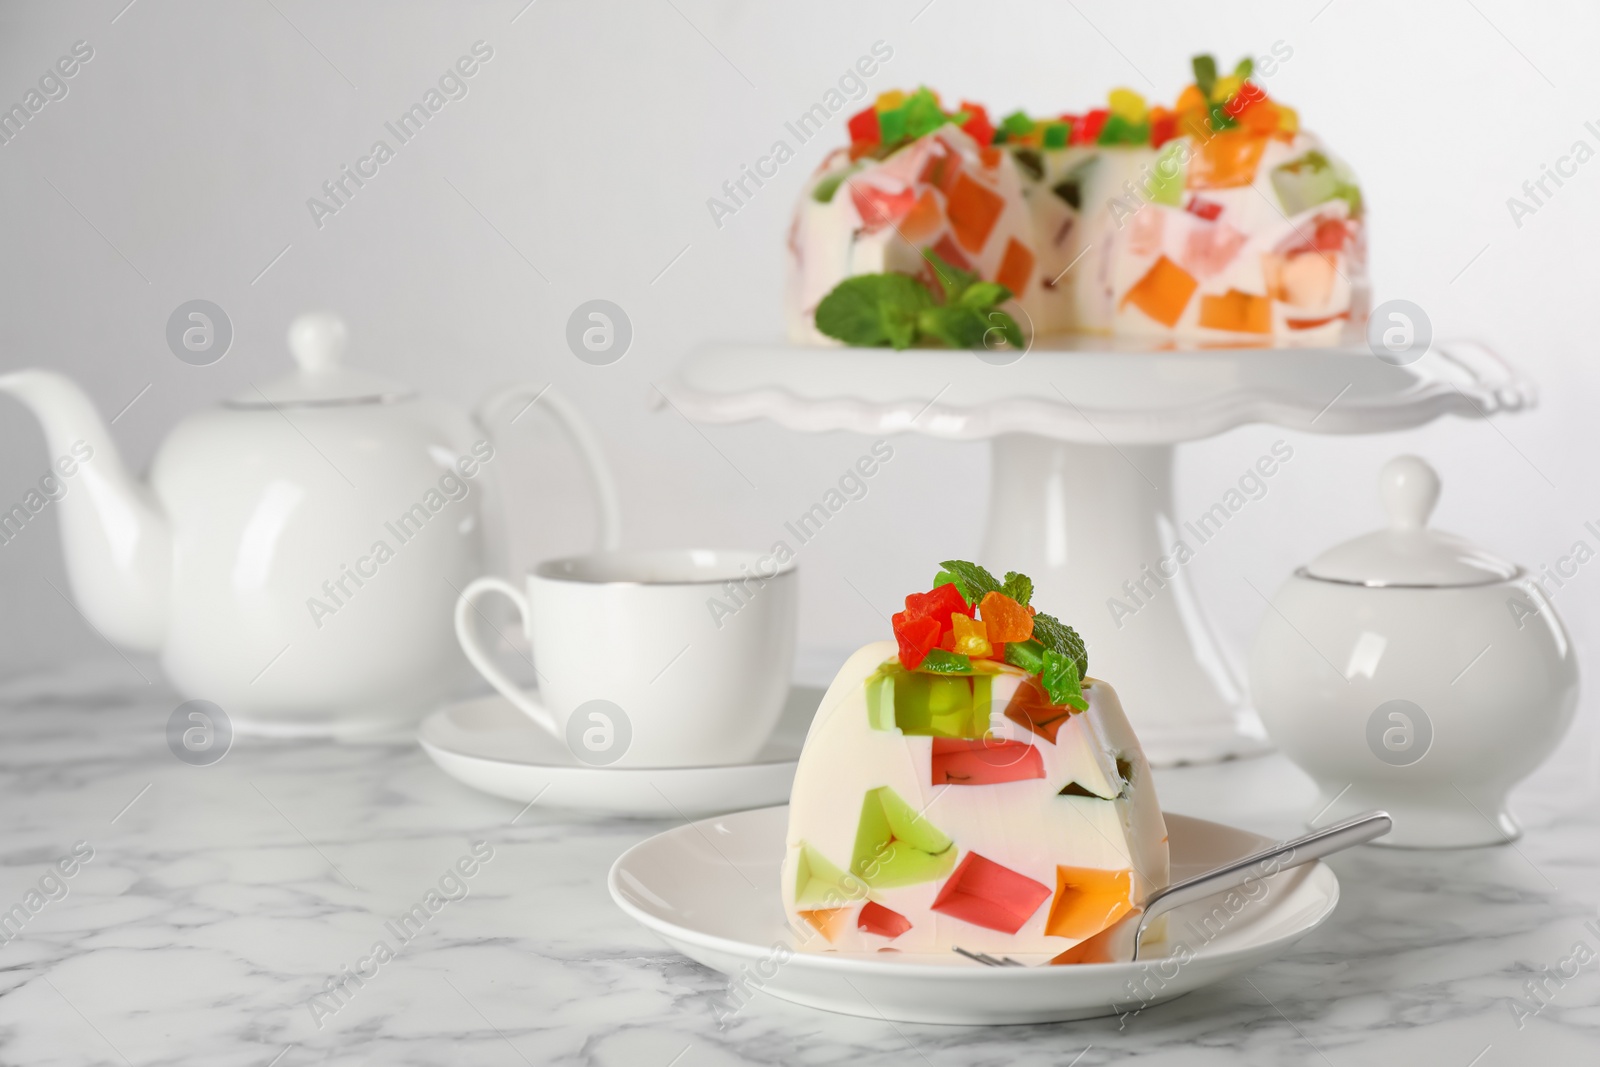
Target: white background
[[189, 145]]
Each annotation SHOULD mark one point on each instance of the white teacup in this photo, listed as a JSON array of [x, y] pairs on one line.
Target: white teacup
[[669, 658]]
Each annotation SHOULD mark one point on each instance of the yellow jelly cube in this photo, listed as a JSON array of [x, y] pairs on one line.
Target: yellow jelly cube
[[889, 101], [972, 635], [1226, 87]]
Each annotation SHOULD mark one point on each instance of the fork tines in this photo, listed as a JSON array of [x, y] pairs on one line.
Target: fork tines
[[988, 960]]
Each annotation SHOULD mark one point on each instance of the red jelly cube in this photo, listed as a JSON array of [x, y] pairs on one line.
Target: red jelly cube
[[1088, 130], [877, 919], [983, 893], [1206, 209], [989, 762]]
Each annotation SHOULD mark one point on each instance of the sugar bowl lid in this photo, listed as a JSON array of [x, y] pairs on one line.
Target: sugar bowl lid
[[1408, 554]]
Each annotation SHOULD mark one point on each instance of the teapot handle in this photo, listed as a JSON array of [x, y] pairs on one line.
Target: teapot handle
[[578, 431]]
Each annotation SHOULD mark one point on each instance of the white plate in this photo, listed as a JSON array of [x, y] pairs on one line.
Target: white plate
[[710, 890], [488, 744]]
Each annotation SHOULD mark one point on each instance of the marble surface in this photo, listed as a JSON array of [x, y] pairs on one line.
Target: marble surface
[[219, 900]]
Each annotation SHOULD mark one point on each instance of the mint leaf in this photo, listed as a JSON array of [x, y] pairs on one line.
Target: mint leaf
[[972, 580], [1055, 635], [1001, 323], [1205, 75], [1245, 68], [1018, 587], [1061, 682], [946, 578], [874, 310], [956, 327], [984, 295], [952, 280]]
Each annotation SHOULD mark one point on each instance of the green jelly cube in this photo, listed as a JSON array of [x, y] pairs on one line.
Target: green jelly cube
[[1314, 179], [896, 846], [1168, 174], [820, 884], [880, 697]]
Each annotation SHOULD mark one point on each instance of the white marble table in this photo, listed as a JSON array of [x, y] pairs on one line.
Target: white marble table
[[220, 899]]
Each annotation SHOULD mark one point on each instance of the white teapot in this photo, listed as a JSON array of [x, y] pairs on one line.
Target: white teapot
[[1412, 671], [297, 551]]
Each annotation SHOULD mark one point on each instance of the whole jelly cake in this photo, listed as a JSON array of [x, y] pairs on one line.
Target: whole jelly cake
[[1215, 221], [968, 785]]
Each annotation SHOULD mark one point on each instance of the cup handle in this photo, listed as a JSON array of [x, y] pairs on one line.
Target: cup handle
[[576, 427], [467, 634]]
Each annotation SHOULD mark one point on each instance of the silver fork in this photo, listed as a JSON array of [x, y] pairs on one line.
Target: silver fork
[[1282, 856]]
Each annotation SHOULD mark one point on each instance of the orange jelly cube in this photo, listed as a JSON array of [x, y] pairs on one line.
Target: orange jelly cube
[[1237, 312], [829, 922], [1016, 268], [1163, 292], [973, 209], [924, 218], [1226, 161], [1088, 899]]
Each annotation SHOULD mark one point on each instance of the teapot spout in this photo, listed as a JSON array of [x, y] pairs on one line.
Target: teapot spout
[[116, 538]]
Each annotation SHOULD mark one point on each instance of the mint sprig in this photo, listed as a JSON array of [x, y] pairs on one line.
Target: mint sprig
[[898, 311], [1061, 681], [971, 580], [1057, 636]]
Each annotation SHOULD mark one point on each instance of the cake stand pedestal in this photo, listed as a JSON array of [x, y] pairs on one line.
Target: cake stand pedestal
[[1081, 496]]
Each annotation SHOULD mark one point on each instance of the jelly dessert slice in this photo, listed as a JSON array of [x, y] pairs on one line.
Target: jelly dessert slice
[[829, 922], [989, 762], [885, 922], [973, 209], [1312, 179], [1163, 292], [1237, 312], [895, 845], [924, 704], [818, 883], [1088, 899], [983, 893], [1031, 709]]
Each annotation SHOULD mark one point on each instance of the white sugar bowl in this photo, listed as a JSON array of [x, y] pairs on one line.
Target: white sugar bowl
[[1413, 671]]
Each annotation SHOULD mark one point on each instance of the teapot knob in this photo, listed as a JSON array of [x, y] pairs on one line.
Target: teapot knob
[[1410, 489], [317, 340]]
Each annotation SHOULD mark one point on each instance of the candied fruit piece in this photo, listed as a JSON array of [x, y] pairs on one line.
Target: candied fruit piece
[[916, 636], [885, 922], [895, 845], [1227, 161], [829, 922], [818, 882], [988, 762], [973, 209], [1031, 709], [983, 893], [1163, 292], [1088, 899], [972, 636], [864, 126], [1016, 267], [1236, 312], [1006, 619]]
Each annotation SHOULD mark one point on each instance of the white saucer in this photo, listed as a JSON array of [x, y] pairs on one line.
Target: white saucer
[[488, 744], [710, 890]]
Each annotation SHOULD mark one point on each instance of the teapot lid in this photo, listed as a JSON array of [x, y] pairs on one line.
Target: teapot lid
[[317, 341], [1408, 553]]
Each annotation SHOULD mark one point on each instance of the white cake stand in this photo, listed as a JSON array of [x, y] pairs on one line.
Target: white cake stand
[[1081, 496]]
